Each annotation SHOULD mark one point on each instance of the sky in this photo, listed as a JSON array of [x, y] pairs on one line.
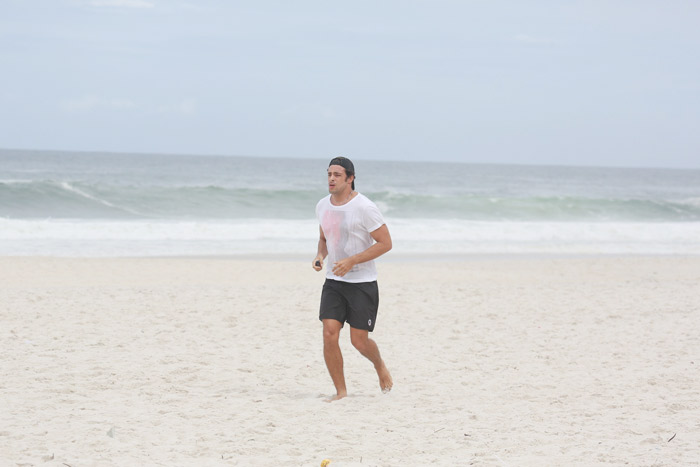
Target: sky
[[567, 82]]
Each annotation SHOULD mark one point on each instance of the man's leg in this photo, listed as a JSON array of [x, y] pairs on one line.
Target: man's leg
[[333, 356], [367, 347]]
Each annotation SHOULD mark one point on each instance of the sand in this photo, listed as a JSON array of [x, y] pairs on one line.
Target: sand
[[496, 361]]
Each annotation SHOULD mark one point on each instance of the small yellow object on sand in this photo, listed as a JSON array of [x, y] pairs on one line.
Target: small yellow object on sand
[[325, 462]]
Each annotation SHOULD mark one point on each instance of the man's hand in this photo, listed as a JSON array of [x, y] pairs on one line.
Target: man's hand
[[317, 263], [342, 267]]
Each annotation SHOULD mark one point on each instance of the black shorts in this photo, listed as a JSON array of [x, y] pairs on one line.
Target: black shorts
[[354, 303]]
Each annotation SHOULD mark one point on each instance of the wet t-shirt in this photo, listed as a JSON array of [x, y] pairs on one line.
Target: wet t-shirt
[[347, 229]]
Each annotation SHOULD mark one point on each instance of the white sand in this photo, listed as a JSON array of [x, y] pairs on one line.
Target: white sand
[[496, 361]]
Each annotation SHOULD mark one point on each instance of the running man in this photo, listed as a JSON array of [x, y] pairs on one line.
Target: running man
[[352, 234]]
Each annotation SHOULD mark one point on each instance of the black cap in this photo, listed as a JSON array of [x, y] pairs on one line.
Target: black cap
[[347, 164]]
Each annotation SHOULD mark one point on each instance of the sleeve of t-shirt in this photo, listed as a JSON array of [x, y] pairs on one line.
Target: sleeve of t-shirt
[[372, 219], [318, 209]]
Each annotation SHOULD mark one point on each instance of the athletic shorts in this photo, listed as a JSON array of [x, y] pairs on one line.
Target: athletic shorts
[[354, 303]]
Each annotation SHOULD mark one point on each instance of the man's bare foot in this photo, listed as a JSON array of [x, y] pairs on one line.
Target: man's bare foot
[[337, 397], [385, 381]]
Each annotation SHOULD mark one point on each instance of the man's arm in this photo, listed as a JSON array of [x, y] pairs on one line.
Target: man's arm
[[322, 251], [383, 239]]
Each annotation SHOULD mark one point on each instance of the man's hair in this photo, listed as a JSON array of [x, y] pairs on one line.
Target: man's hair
[[347, 164]]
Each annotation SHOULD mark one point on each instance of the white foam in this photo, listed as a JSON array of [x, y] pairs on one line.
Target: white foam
[[276, 236]]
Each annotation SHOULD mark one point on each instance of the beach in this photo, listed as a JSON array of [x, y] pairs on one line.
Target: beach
[[496, 360]]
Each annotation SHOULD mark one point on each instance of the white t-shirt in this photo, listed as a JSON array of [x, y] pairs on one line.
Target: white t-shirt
[[347, 230]]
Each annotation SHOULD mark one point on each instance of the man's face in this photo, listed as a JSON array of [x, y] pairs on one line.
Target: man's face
[[338, 182]]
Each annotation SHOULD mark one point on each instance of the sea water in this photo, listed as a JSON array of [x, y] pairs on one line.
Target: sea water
[[103, 204]]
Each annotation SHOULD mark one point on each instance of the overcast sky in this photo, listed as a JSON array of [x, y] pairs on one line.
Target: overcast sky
[[532, 82]]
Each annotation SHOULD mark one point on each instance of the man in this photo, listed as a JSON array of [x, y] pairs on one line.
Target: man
[[352, 235]]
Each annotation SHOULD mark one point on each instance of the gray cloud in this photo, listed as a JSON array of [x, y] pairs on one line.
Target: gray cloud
[[122, 3], [88, 103], [528, 39]]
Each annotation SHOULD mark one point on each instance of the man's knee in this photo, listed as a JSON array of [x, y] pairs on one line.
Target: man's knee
[[331, 330], [359, 341]]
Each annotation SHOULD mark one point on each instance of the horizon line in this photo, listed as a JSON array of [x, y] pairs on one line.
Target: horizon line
[[358, 158]]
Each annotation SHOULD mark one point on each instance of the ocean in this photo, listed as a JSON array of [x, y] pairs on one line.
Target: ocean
[[103, 204]]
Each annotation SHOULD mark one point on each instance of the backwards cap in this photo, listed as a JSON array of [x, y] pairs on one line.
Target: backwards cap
[[347, 164]]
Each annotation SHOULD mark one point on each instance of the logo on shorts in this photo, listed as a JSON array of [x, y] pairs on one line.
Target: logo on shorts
[[369, 322]]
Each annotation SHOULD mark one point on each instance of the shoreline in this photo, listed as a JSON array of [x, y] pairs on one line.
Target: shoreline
[[387, 258]]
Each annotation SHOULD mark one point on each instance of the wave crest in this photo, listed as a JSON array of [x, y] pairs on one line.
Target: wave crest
[[81, 200]]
